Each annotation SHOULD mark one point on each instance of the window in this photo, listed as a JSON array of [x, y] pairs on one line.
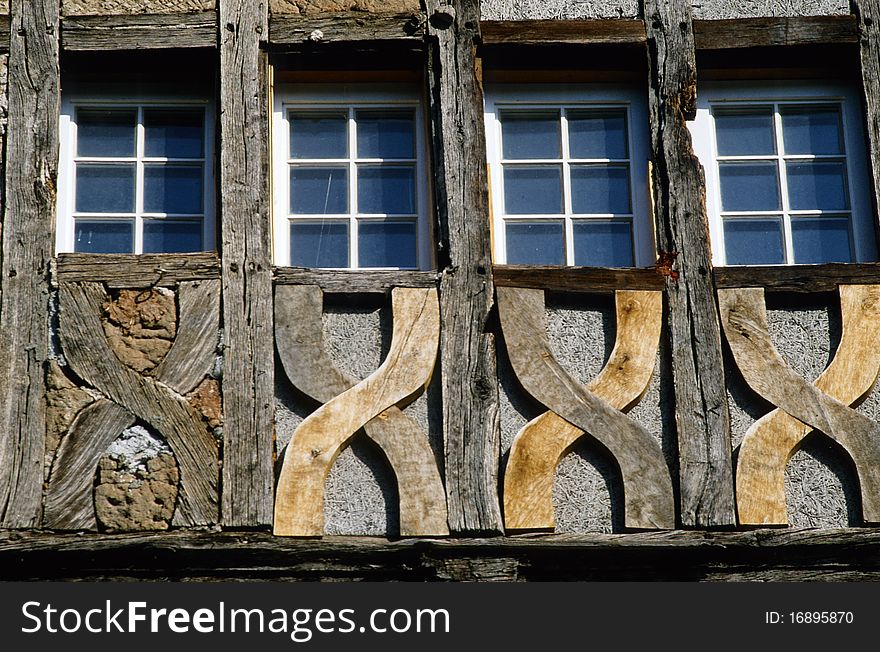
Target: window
[[786, 176], [568, 170], [350, 177], [135, 177]]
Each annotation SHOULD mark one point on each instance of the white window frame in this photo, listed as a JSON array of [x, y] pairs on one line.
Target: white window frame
[[740, 93], [65, 231], [351, 96], [574, 96]]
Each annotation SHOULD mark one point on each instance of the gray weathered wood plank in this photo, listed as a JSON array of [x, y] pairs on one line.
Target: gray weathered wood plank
[[137, 271], [701, 411], [798, 278], [139, 31], [354, 281], [249, 363], [867, 16], [598, 280], [773, 31], [345, 27], [28, 241], [579, 32], [469, 380]]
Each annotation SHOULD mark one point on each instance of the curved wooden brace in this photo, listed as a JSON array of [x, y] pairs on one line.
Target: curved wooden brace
[[545, 440], [401, 378], [774, 438], [647, 485], [299, 338], [90, 356]]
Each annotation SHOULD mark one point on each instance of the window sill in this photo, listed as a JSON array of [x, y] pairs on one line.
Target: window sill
[[354, 280], [137, 270], [595, 280], [798, 278]]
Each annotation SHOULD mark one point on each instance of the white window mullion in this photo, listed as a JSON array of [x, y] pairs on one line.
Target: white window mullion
[[568, 229], [783, 186], [353, 209], [139, 184]]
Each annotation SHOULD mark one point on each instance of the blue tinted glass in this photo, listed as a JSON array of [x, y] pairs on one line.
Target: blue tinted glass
[[600, 189], [535, 243], [597, 134], [387, 244], [107, 237], [174, 133], [603, 244], [530, 134], [744, 132], [385, 134], [318, 191], [319, 135], [821, 240], [753, 242], [105, 132], [105, 188], [173, 189], [386, 190], [749, 186], [164, 237], [532, 190], [817, 185], [811, 130], [319, 245]]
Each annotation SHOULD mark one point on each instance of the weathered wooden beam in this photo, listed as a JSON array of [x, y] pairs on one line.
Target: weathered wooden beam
[[353, 281], [139, 31], [701, 412], [4, 33], [594, 280], [137, 271], [867, 15], [249, 363], [798, 278], [470, 388], [28, 241], [345, 27], [575, 32], [767, 32]]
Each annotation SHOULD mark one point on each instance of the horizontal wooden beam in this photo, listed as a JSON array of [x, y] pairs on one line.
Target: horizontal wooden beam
[[348, 27], [594, 280], [137, 271], [768, 32], [353, 281], [798, 278], [576, 32], [139, 31], [4, 33]]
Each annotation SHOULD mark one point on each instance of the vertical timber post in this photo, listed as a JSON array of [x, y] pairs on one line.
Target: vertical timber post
[[701, 412], [248, 367], [28, 244], [469, 381]]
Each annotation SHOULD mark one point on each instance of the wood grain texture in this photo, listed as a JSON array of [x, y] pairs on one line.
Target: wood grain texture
[[28, 241], [4, 33], [577, 279], [744, 317], [400, 379], [249, 362], [90, 357], [299, 338], [798, 278], [345, 27], [137, 270], [543, 442], [356, 280], [774, 31], [647, 486], [867, 17], [578, 32], [701, 414], [471, 426], [139, 31]]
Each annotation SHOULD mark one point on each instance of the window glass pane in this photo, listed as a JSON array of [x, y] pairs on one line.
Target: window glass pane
[[603, 244], [319, 245], [600, 189], [749, 186], [173, 189], [744, 132], [532, 189], [597, 134], [817, 185], [387, 244], [105, 132], [165, 237], [318, 191], [174, 133], [754, 242], [102, 188], [386, 190], [535, 243], [821, 240], [385, 134], [319, 135], [811, 130], [104, 237], [530, 134]]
